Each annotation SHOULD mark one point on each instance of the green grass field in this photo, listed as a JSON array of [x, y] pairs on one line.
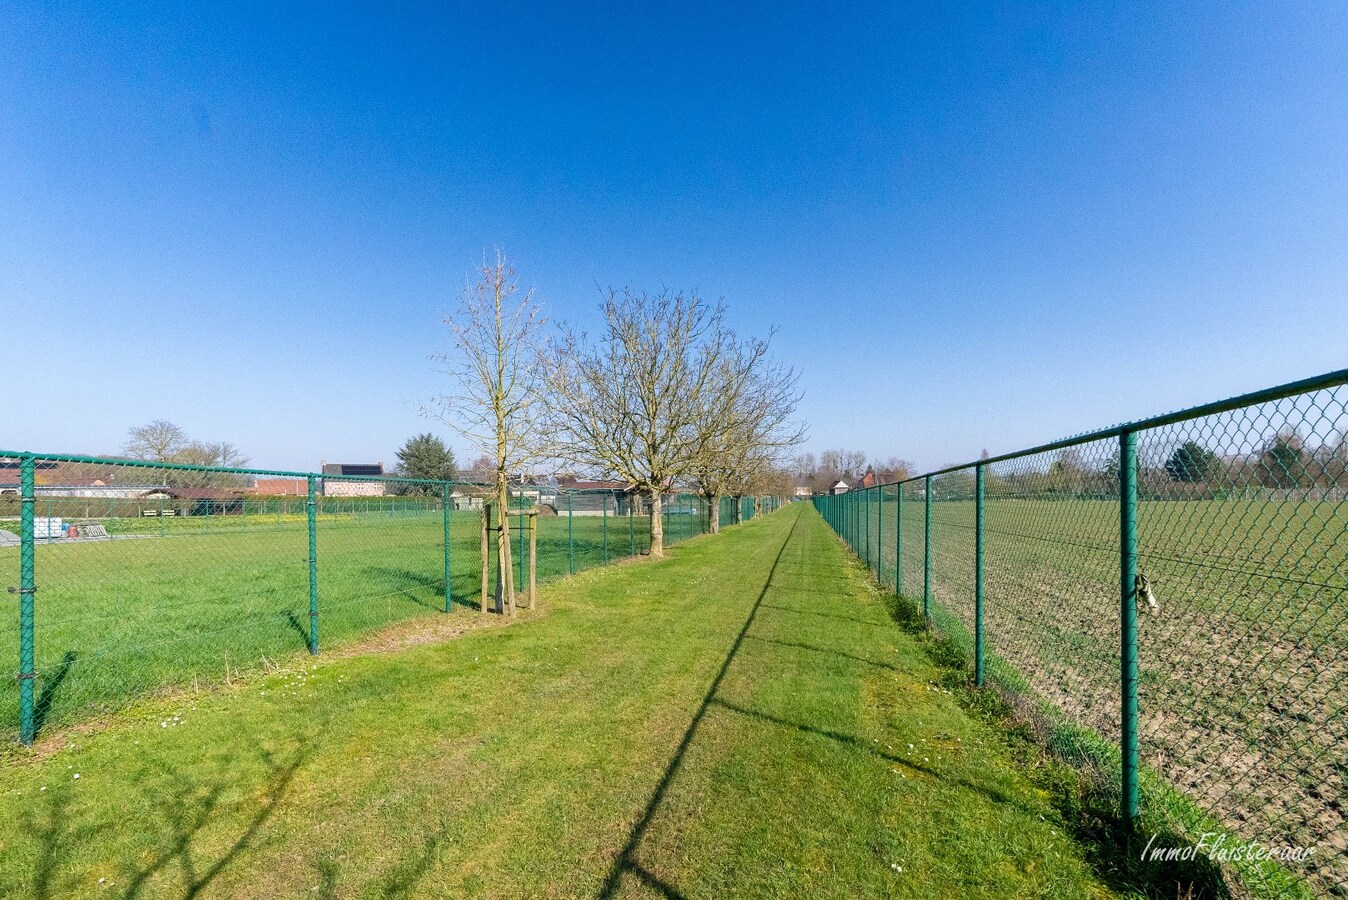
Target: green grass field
[[1242, 663], [741, 719], [119, 619]]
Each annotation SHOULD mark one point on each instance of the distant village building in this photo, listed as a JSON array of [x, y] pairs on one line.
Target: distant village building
[[838, 487], [342, 487]]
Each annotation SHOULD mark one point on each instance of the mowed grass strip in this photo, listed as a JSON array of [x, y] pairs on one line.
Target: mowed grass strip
[[742, 718]]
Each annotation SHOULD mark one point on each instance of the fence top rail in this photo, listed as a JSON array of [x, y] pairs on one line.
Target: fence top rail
[[283, 473], [1281, 392]]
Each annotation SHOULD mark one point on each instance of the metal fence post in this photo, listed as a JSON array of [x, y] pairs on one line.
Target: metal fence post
[[898, 541], [533, 558], [448, 593], [880, 534], [978, 575], [1128, 621], [867, 513], [604, 500], [926, 553], [27, 590], [312, 510], [631, 530], [570, 539], [485, 529], [519, 585]]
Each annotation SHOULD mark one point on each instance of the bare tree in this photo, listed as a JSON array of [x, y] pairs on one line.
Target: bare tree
[[159, 441], [496, 364], [215, 455], [162, 441], [635, 404], [748, 424]]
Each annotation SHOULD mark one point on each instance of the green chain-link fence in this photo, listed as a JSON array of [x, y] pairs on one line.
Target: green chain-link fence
[[1168, 600], [130, 579]]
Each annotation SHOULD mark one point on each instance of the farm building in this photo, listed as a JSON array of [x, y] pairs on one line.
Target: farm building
[[341, 487]]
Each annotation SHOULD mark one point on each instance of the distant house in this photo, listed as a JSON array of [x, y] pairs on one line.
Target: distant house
[[281, 487], [597, 497], [341, 487], [869, 480], [803, 490], [58, 480], [838, 487]]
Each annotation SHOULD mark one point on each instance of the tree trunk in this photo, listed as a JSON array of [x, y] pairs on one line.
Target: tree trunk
[[714, 513], [657, 525], [739, 510], [505, 581]]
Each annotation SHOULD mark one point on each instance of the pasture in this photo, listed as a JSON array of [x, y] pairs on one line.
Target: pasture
[[192, 601]]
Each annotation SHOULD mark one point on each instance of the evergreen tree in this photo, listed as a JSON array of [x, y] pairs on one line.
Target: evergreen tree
[[1191, 462], [426, 456]]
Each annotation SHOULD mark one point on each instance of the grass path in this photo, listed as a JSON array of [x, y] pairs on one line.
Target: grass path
[[742, 719]]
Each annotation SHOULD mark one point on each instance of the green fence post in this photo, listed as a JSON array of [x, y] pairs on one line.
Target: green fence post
[[448, 593], [867, 513], [898, 541], [312, 510], [521, 517], [978, 575], [631, 530], [880, 534], [1128, 621], [243, 508], [926, 554], [570, 539], [27, 590], [604, 500], [161, 516]]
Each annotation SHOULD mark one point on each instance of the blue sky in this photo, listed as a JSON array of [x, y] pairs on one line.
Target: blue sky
[[976, 226]]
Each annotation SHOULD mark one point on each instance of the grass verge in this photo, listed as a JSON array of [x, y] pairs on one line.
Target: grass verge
[[742, 718]]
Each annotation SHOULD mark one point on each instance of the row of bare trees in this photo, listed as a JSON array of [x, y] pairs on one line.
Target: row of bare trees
[[831, 466], [663, 396]]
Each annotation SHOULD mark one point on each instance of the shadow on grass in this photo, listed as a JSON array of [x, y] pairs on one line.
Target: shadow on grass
[[827, 651], [50, 688], [810, 612], [627, 863], [187, 805], [1087, 804]]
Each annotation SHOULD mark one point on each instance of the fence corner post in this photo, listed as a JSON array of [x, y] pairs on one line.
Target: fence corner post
[[1128, 622], [449, 598], [27, 590], [978, 575], [312, 510]]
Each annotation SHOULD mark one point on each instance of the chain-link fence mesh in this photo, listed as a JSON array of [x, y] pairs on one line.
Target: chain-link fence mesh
[[1241, 592], [151, 578]]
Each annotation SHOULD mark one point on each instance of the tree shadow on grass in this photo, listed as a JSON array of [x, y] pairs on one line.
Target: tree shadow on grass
[[827, 651], [810, 612], [187, 804], [626, 862]]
